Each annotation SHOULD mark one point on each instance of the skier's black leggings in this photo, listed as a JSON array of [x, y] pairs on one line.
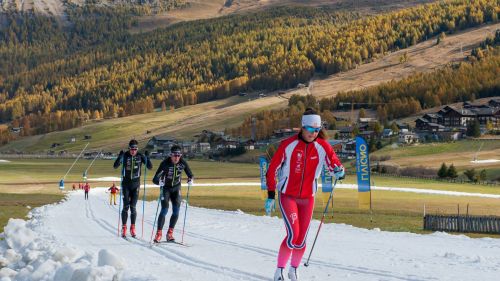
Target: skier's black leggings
[[86, 195], [130, 194], [174, 195]]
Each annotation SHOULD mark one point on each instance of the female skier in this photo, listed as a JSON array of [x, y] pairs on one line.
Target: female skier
[[300, 159]]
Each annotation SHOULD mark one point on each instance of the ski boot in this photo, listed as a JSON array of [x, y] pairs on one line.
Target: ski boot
[[278, 275], [132, 230], [158, 236], [170, 235], [293, 274], [124, 231]]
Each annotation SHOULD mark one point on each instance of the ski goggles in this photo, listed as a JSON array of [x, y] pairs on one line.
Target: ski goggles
[[312, 129]]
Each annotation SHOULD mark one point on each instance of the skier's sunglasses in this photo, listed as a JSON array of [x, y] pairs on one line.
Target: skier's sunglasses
[[176, 154], [132, 148], [312, 129]]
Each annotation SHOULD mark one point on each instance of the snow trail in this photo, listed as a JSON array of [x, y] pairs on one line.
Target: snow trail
[[77, 240]]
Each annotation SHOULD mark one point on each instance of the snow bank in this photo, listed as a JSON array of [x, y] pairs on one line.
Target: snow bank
[[25, 255], [486, 161], [4, 161]]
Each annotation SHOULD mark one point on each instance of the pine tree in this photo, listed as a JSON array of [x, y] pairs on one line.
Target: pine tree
[[474, 129], [443, 171], [482, 175], [471, 174], [452, 172]]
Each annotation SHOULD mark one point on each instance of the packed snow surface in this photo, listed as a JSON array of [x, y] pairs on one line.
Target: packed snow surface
[[77, 240], [486, 161], [338, 186]]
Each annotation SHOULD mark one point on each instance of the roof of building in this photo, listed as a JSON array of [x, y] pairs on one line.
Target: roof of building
[[432, 115]]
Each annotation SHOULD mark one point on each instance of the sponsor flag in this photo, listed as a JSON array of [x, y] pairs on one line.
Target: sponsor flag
[[363, 173]]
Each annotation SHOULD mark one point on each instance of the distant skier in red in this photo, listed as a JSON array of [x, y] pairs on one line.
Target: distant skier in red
[[112, 196], [300, 159], [86, 188]]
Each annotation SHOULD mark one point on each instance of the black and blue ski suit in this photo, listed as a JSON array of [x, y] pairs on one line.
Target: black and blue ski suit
[[169, 174], [131, 183]]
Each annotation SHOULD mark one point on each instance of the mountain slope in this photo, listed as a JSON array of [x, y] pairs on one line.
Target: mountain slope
[[217, 115], [423, 57]]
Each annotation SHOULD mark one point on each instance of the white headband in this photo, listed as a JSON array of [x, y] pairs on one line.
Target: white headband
[[311, 120]]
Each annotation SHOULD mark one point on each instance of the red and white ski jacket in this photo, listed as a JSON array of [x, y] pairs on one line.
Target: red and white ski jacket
[[300, 164]]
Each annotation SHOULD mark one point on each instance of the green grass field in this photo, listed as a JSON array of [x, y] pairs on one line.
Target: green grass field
[[438, 148], [18, 205], [43, 175], [34, 182], [459, 153]]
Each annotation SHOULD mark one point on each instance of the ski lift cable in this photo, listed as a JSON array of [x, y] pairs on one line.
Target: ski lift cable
[[76, 160], [92, 163]]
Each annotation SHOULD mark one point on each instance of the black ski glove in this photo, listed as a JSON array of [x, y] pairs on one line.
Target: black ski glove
[[271, 194]]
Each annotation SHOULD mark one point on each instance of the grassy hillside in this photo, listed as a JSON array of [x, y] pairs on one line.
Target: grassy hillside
[[459, 153], [182, 123]]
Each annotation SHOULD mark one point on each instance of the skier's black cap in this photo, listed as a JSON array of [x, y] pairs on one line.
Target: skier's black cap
[[175, 149], [133, 144]]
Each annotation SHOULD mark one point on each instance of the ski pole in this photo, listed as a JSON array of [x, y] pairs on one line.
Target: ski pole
[[321, 223], [121, 194], [156, 215], [185, 213], [144, 196]]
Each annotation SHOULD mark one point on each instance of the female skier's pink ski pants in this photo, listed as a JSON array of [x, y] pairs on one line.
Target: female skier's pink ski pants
[[297, 214]]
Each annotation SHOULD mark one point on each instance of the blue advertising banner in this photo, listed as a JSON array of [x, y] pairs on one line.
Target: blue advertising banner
[[263, 164], [326, 181], [363, 173], [326, 185]]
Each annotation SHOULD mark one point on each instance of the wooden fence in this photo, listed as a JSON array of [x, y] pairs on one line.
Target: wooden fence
[[462, 223]]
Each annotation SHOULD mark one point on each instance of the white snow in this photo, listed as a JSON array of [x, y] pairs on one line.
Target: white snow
[[105, 179], [77, 240], [486, 161], [339, 186], [4, 161]]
